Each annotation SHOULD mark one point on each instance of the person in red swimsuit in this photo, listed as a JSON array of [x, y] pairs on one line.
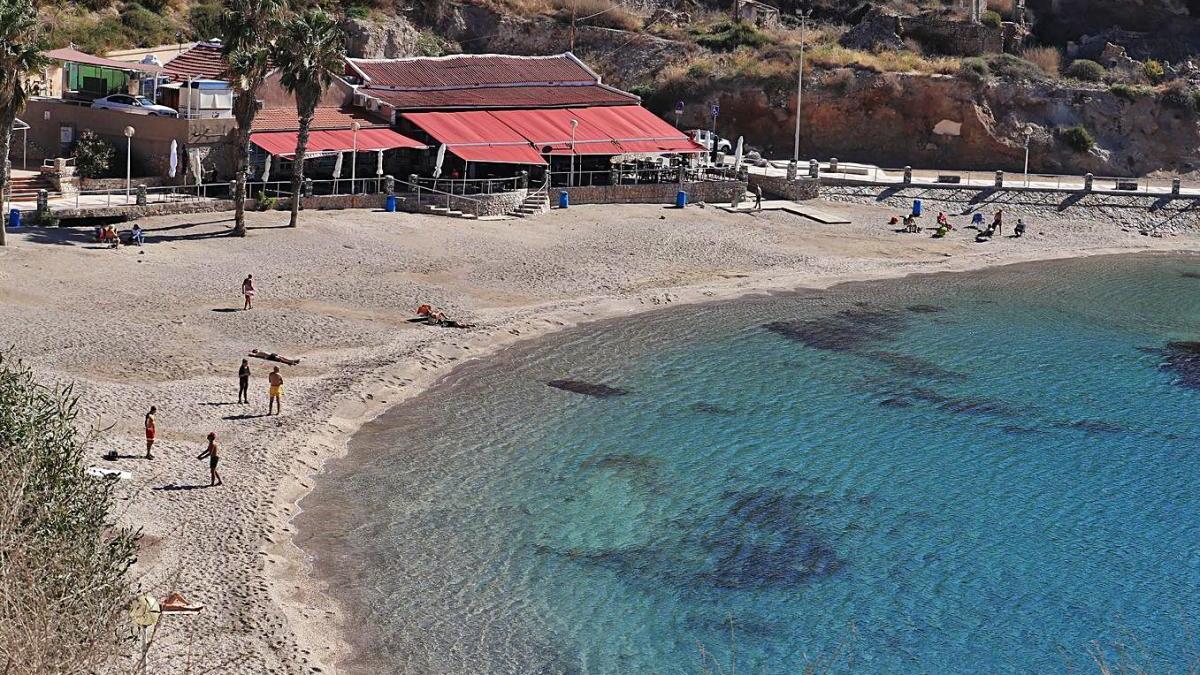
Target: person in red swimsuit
[[150, 430]]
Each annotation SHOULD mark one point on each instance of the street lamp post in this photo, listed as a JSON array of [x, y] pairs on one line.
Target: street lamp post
[[1028, 135], [354, 157], [793, 167], [128, 159], [571, 178]]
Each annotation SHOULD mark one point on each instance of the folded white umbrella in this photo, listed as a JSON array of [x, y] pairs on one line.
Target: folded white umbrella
[[441, 157], [337, 166], [174, 158], [737, 155], [267, 169], [379, 163]]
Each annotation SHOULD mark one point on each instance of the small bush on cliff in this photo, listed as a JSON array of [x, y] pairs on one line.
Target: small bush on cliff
[[974, 69], [93, 155], [1078, 138], [1130, 92], [205, 20], [1009, 67], [1153, 70], [991, 18], [726, 36], [1177, 95], [1085, 70]]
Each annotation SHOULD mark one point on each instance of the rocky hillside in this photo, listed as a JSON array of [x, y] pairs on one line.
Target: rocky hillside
[[1099, 85]]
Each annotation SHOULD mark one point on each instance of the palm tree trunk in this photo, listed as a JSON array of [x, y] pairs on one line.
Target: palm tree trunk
[[306, 119], [245, 110], [6, 123]]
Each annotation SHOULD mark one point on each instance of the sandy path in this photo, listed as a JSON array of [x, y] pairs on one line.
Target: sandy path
[[152, 326]]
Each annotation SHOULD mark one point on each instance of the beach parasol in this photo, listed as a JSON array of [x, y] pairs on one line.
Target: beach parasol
[[737, 155], [441, 156], [174, 159], [337, 166], [197, 170], [266, 169], [379, 163]]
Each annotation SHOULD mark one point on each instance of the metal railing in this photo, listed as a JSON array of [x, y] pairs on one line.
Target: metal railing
[[473, 186], [638, 176]]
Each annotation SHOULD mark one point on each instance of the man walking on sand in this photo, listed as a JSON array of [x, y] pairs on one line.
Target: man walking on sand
[[758, 198], [244, 382], [275, 392], [210, 452], [248, 291], [150, 431]]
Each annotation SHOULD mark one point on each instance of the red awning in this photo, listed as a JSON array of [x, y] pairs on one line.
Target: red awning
[[638, 130], [283, 143], [477, 136], [550, 131]]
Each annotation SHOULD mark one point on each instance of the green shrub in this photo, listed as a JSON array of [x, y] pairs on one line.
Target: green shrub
[[205, 21], [1009, 67], [726, 36], [358, 12], [429, 44], [44, 219], [1088, 71], [1154, 70], [974, 69], [990, 18], [1077, 138], [701, 69], [264, 203], [1130, 92], [93, 155], [143, 27]]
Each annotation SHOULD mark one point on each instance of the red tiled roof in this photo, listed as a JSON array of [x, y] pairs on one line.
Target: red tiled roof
[[285, 119], [472, 70], [505, 97], [202, 62]]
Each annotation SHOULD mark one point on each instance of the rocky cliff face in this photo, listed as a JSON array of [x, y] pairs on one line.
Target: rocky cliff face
[[389, 39], [937, 121]]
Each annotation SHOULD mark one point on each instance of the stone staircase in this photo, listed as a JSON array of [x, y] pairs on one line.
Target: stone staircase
[[443, 211], [536, 203], [24, 186]]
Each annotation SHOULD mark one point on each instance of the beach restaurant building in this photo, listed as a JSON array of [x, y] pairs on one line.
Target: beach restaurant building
[[496, 116]]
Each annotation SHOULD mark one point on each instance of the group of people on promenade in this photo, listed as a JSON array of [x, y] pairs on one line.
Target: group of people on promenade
[[212, 451]]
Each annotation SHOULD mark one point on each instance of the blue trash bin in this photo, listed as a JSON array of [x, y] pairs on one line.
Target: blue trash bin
[[390, 204], [564, 199], [916, 207], [14, 219], [680, 199]]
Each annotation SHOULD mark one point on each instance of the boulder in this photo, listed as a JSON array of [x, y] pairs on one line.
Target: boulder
[[878, 29]]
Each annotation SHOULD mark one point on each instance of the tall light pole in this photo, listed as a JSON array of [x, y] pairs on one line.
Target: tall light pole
[[1028, 135], [793, 168], [571, 178], [128, 159], [354, 156]]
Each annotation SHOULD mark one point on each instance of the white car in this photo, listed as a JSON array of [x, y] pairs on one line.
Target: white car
[[139, 105]]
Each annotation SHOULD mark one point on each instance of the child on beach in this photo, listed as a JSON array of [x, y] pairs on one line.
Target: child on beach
[[214, 458], [244, 382], [151, 429], [248, 291], [275, 392]]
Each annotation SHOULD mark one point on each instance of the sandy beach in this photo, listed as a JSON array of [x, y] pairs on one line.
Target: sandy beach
[[162, 325]]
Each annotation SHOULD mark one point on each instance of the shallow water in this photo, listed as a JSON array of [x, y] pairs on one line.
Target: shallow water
[[956, 473]]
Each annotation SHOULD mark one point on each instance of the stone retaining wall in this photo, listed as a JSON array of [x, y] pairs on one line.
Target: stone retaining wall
[[653, 193], [780, 187]]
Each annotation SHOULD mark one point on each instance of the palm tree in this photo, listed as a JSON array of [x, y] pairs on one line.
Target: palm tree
[[248, 29], [20, 54], [310, 52]]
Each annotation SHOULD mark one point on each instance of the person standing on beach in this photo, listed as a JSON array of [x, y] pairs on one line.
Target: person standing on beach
[[998, 221], [244, 381], [275, 392], [758, 198], [214, 458], [248, 291], [151, 428]]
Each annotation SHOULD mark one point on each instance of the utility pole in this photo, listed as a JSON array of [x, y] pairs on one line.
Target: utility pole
[[571, 32]]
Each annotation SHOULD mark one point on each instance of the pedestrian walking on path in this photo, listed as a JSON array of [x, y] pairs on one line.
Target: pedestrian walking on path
[[758, 198]]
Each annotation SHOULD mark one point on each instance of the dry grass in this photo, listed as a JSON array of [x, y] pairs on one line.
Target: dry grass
[[603, 13], [836, 56], [1048, 59]]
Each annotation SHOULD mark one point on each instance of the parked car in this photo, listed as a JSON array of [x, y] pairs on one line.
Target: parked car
[[138, 105], [705, 138]]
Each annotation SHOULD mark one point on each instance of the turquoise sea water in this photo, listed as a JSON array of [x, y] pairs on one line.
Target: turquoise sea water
[[981, 473]]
